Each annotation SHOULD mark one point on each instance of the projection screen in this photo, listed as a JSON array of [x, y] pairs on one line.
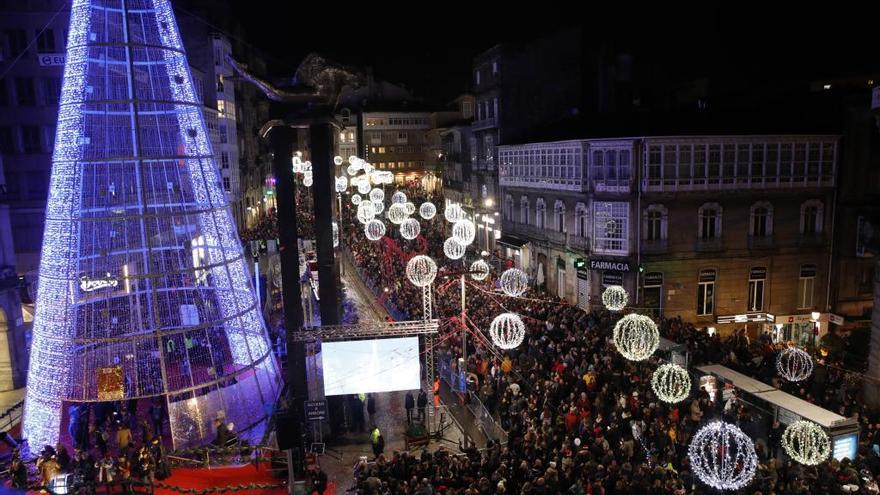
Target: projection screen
[[364, 366]]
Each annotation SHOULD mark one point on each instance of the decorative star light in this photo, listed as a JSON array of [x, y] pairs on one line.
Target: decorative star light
[[636, 337], [507, 331], [615, 298], [722, 456], [374, 229], [794, 364], [481, 269], [427, 210], [421, 270], [806, 443], [453, 250], [671, 383], [398, 197], [453, 213], [397, 213], [514, 282], [377, 195], [410, 229], [464, 231]]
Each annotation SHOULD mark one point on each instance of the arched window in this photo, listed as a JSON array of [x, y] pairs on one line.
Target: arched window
[[524, 210], [761, 219], [654, 223], [508, 207], [811, 217], [709, 217], [580, 220], [540, 213], [559, 210]]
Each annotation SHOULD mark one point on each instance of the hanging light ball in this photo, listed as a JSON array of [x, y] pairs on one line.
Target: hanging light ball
[[368, 167], [427, 210], [357, 163], [453, 250], [614, 298], [377, 195], [507, 331], [636, 337], [379, 206], [410, 208], [421, 270], [352, 159], [806, 443], [307, 179], [481, 269], [341, 184], [410, 228], [307, 166], [671, 383], [297, 165], [464, 231], [337, 160], [335, 235], [794, 364], [363, 186], [374, 229], [366, 212], [722, 456], [355, 199], [397, 213], [398, 197], [453, 213], [351, 170], [514, 282]]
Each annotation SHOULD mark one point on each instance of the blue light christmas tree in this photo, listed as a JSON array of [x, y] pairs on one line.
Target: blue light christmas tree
[[143, 288]]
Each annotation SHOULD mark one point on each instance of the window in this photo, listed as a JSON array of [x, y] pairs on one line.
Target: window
[[811, 218], [222, 133], [227, 186], [610, 227], [24, 91], [580, 220], [559, 209], [710, 221], [508, 207], [524, 210], [46, 41], [540, 213], [4, 93], [30, 139], [761, 219], [477, 77], [494, 68], [805, 286], [16, 41], [706, 292], [224, 159], [7, 144], [757, 276], [402, 137], [655, 223], [51, 90]]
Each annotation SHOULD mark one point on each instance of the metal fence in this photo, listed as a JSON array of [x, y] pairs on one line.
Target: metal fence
[[484, 420]]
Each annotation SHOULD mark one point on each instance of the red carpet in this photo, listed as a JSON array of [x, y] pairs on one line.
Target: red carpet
[[201, 478]]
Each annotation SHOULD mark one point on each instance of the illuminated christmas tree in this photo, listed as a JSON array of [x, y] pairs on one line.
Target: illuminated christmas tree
[[143, 288]]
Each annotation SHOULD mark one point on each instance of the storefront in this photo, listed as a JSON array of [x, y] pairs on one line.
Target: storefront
[[608, 272], [652, 292], [516, 249], [804, 330]]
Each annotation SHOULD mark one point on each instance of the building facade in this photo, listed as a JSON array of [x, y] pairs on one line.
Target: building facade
[[397, 142]]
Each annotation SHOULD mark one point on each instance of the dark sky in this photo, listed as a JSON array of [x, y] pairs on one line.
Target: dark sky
[[429, 46]]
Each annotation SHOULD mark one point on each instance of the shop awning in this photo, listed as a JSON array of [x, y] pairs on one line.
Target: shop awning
[[514, 242]]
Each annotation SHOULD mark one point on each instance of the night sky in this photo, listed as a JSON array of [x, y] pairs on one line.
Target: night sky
[[429, 46]]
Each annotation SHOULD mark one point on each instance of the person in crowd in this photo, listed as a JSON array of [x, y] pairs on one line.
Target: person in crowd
[[409, 403], [422, 404]]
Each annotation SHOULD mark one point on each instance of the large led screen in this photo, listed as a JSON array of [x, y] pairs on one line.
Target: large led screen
[[364, 366]]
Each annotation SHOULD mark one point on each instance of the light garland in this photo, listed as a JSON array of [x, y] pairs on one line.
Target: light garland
[[794, 364], [398, 197], [341, 184], [410, 208], [427, 210], [507, 331], [410, 228], [374, 229], [671, 383], [335, 235], [421, 270], [481, 269], [514, 282], [722, 456], [453, 213], [377, 195], [636, 337], [366, 211], [397, 213], [356, 199], [615, 298], [464, 231], [453, 250], [337, 160], [806, 443]]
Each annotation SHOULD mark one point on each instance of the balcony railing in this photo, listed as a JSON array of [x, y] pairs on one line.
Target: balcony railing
[[730, 183], [489, 123], [655, 246], [710, 245], [760, 242], [546, 235], [551, 183]]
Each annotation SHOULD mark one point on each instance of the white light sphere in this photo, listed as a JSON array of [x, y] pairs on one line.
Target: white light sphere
[[794, 364], [671, 383], [421, 270], [514, 282], [307, 166], [397, 213], [507, 331], [335, 235], [297, 165], [722, 456], [464, 231], [480, 269], [806, 443], [379, 206], [377, 195], [341, 184], [453, 213], [352, 159], [307, 180], [356, 199], [366, 211], [351, 170], [615, 298], [357, 163], [453, 250], [363, 186], [427, 210], [374, 229], [410, 228], [398, 197], [636, 337], [410, 208], [337, 160], [368, 167]]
